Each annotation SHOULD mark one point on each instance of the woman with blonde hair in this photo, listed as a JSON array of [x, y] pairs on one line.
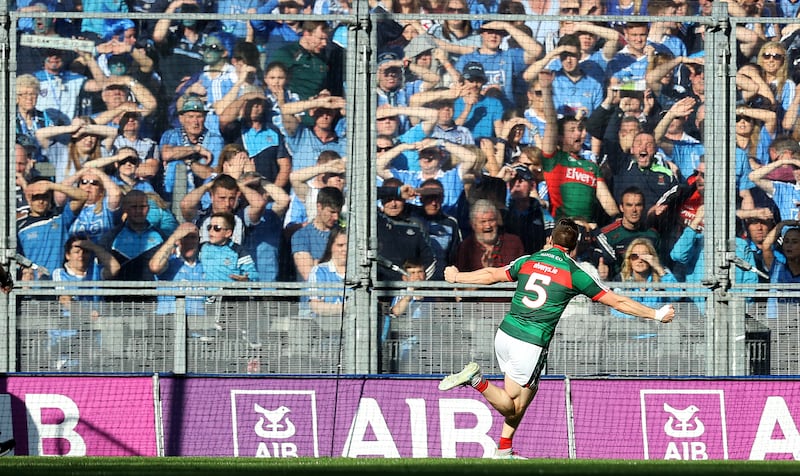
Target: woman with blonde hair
[[641, 265], [775, 71], [87, 142]]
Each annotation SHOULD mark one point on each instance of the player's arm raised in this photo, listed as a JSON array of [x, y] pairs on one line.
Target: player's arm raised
[[481, 276], [627, 305]]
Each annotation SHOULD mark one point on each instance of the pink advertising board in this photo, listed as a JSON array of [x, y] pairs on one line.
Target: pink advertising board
[[687, 419], [81, 416], [273, 417]]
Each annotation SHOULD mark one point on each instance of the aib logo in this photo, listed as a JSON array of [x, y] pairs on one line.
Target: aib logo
[[684, 424], [274, 423]]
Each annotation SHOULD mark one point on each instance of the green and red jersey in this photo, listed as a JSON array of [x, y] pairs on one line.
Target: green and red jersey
[[574, 178], [546, 282]]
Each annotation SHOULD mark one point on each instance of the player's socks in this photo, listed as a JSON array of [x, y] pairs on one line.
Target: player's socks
[[504, 443], [479, 382]]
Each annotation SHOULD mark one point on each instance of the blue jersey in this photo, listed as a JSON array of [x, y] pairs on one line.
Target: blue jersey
[[211, 140], [325, 273], [263, 241], [584, 93], [305, 147], [91, 222], [482, 116], [42, 239], [179, 271], [787, 197], [221, 261], [502, 68], [310, 239]]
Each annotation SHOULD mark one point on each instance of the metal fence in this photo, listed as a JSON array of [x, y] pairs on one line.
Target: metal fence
[[270, 332]]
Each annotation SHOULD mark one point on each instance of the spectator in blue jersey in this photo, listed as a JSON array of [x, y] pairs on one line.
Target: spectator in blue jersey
[[331, 269], [444, 234], [60, 88], [503, 68], [307, 142], [276, 76], [96, 211], [29, 117], [227, 195], [24, 172], [42, 234], [629, 64], [681, 150], [124, 95], [274, 34], [443, 101], [189, 152], [135, 240], [432, 159], [388, 128], [786, 195], [474, 109], [176, 260], [263, 237], [308, 242], [455, 36], [781, 254], [247, 121], [86, 142], [224, 260], [306, 184]]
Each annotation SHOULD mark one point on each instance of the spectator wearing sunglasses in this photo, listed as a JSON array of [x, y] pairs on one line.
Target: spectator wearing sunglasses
[[641, 265], [95, 212], [222, 258]]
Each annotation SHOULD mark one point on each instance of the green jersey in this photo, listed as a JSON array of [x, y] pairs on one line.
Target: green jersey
[[546, 282]]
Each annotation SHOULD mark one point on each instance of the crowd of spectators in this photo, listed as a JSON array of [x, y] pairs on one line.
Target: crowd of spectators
[[487, 132]]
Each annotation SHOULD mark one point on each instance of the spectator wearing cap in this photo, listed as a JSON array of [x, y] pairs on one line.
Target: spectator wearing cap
[[306, 60], [41, 234], [59, 88], [247, 121], [390, 88], [502, 67], [218, 76], [431, 162], [523, 215], [306, 143], [444, 234], [190, 151], [421, 73], [474, 109]]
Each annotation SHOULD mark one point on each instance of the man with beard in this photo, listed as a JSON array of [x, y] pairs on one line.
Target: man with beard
[[487, 246], [644, 171], [566, 172]]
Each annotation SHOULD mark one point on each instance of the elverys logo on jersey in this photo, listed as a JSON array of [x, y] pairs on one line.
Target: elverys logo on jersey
[[274, 423], [684, 424]]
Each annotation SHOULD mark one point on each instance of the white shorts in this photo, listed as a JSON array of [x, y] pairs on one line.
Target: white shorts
[[520, 361]]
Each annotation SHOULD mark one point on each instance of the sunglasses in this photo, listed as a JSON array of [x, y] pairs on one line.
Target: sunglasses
[[428, 157], [216, 228], [431, 198], [775, 56], [538, 93], [212, 47], [566, 55], [384, 149], [634, 256], [744, 118], [90, 182], [129, 160], [457, 10], [569, 11]]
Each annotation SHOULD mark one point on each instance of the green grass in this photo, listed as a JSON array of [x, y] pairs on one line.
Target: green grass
[[52, 466]]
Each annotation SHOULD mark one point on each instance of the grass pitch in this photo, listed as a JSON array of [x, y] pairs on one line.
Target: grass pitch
[[49, 466]]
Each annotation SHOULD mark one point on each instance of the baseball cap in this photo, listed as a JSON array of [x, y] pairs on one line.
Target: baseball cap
[[387, 56], [192, 104], [473, 71], [523, 173], [418, 45]]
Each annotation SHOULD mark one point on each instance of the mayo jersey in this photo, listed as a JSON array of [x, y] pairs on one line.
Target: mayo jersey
[[546, 282]]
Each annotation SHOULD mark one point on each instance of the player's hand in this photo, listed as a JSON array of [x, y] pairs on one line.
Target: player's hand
[[665, 313], [450, 273]]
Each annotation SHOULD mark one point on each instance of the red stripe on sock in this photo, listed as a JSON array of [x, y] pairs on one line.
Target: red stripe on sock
[[504, 444], [482, 386]]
